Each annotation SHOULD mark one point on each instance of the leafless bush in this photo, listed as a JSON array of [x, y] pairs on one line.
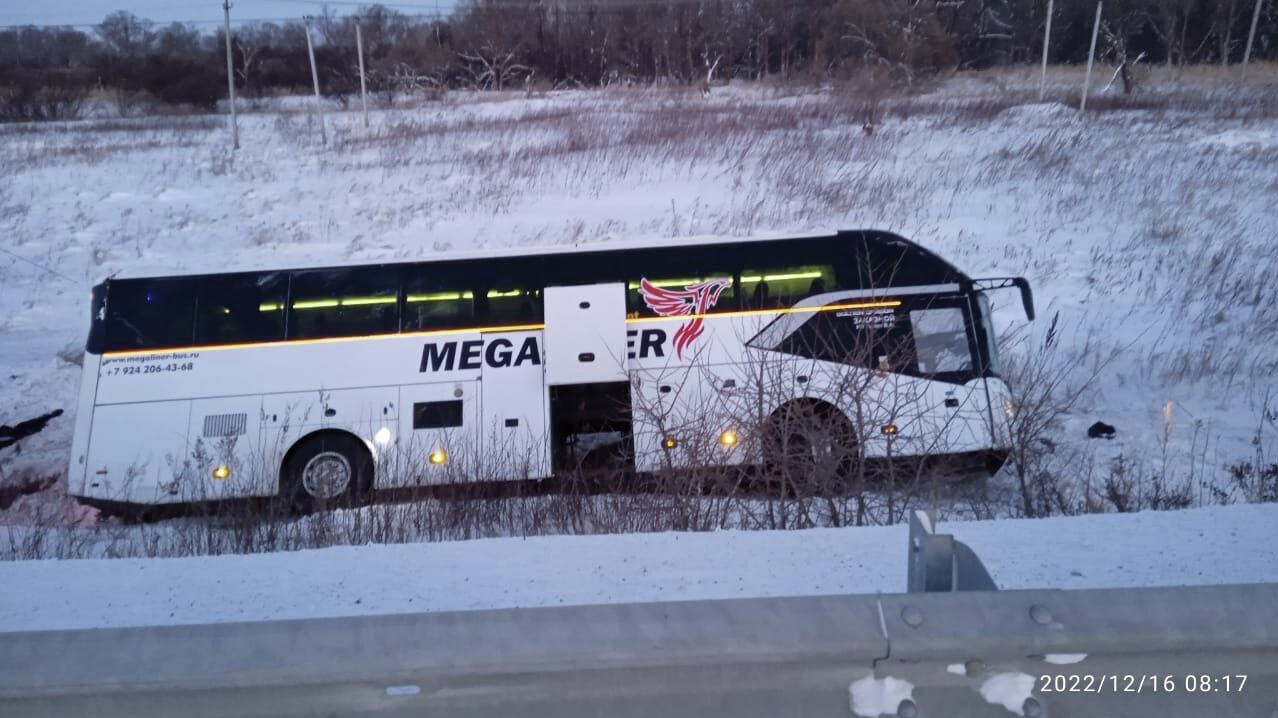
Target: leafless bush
[[132, 103], [1257, 477], [1130, 487], [1046, 384], [40, 96]]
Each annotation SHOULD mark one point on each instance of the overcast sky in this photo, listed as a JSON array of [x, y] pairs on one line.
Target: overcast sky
[[204, 12]]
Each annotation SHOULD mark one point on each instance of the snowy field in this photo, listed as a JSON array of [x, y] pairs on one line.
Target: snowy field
[[1215, 545], [1148, 229]]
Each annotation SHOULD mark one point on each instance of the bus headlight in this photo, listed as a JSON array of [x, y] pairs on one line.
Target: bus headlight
[[438, 456], [728, 438], [222, 472]]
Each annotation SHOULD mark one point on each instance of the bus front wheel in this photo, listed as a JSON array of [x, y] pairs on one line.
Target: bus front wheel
[[327, 471], [809, 446]]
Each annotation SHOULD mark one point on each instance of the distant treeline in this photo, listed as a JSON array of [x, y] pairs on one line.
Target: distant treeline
[[46, 72]]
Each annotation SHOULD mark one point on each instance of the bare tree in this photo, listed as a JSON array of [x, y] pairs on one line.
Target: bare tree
[[126, 34], [1224, 17], [491, 68], [1169, 20]]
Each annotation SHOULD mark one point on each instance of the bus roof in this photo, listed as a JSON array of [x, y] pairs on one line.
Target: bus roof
[[923, 260]]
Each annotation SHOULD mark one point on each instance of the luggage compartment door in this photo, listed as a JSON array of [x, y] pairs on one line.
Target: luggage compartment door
[[585, 334]]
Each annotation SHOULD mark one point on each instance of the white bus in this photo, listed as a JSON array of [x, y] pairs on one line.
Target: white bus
[[322, 385]]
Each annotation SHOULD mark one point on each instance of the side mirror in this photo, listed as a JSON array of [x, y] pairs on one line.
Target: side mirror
[[1027, 296], [1021, 283]]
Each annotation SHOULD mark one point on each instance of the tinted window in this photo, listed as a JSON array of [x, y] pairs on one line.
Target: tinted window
[[150, 313], [917, 338], [344, 302], [512, 292], [781, 286], [440, 296], [706, 295], [779, 274], [437, 414], [874, 338], [241, 308], [560, 270], [676, 277]]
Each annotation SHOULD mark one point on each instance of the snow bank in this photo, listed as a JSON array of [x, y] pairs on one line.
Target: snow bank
[[1117, 221], [1217, 545], [1242, 140], [1039, 112]]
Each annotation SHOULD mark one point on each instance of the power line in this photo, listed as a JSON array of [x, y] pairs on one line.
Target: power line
[[37, 265]]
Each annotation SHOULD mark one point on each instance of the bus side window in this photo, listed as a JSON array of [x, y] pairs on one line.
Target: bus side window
[[513, 305], [783, 287], [435, 299], [241, 308], [150, 313], [725, 297], [892, 348], [511, 292], [343, 302]]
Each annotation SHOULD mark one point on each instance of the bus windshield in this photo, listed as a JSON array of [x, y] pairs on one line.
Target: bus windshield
[[940, 340]]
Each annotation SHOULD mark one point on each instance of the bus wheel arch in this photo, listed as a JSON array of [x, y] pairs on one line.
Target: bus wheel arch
[[804, 433], [324, 469]]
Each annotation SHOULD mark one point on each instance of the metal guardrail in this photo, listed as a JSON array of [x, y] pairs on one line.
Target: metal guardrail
[[1119, 652]]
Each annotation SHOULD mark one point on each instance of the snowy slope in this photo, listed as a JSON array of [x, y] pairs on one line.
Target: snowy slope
[[1217, 545], [1148, 230]]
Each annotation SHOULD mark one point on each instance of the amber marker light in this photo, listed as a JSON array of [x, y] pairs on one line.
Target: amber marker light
[[438, 456], [889, 429], [669, 442], [222, 472], [728, 438]]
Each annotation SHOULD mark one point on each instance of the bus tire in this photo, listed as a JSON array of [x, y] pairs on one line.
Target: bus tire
[[325, 471], [807, 444]]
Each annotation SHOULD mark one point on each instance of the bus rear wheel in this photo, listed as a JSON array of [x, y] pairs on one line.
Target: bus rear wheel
[[327, 471]]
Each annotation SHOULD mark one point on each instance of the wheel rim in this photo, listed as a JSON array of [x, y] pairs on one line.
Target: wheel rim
[[326, 475], [806, 444]]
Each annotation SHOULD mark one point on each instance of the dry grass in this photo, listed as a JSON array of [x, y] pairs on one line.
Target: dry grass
[[1149, 221]]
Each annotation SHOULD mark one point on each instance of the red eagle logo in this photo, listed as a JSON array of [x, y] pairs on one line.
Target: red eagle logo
[[695, 299]]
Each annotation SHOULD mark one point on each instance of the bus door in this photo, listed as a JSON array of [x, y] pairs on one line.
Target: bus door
[[587, 377], [951, 409], [514, 407]]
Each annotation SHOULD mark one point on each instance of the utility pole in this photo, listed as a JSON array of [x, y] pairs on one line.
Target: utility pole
[[1047, 33], [1255, 18], [1091, 54], [230, 75], [363, 86], [319, 110]]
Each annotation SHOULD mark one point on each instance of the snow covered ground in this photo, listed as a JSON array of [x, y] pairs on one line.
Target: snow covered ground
[[1148, 229], [1214, 545]]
